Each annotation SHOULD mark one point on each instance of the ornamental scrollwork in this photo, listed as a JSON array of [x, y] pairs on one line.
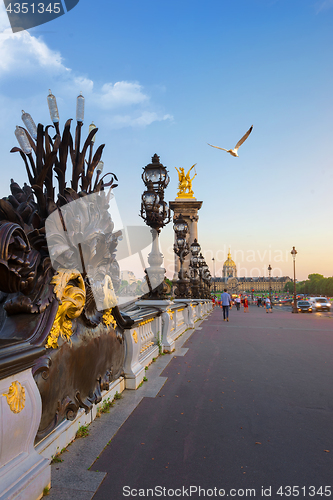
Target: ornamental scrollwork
[[71, 299], [15, 397], [108, 318], [58, 282]]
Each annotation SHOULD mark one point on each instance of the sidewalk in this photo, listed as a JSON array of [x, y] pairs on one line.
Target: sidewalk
[[248, 405], [73, 479]]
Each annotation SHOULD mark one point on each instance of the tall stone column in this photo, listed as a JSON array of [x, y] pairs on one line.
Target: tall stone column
[[188, 208]]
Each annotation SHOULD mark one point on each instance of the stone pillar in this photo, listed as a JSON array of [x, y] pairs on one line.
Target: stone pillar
[[23, 472], [188, 208]]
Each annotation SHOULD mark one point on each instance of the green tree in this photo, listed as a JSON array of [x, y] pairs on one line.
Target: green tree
[[329, 287], [315, 283]]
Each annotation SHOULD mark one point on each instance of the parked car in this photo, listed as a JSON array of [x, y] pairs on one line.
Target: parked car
[[304, 306], [320, 303]]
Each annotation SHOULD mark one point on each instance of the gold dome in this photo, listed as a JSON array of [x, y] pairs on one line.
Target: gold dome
[[229, 262]]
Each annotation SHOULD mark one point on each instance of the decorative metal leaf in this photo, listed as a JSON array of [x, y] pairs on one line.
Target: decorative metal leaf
[[32, 164], [35, 220], [71, 195], [40, 148], [7, 212], [63, 147], [78, 170], [30, 177], [51, 206], [13, 201], [48, 141], [48, 165], [40, 199], [86, 180]]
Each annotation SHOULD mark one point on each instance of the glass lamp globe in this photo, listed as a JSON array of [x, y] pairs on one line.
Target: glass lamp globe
[[195, 247]]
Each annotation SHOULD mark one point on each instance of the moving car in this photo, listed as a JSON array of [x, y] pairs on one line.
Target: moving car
[[320, 303], [304, 306]]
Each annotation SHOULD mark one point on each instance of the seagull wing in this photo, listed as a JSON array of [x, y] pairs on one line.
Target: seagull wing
[[216, 147], [243, 139]]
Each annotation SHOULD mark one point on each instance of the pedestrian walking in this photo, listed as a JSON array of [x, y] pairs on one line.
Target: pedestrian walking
[[238, 303], [246, 305], [225, 301], [268, 305], [259, 302]]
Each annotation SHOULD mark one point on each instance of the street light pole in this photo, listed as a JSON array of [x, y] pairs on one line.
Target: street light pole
[[294, 253], [214, 272], [270, 284]]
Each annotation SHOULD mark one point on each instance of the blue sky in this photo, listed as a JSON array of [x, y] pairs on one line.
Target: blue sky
[[168, 77]]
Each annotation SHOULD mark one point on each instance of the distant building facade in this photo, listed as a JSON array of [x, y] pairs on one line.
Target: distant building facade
[[230, 281], [229, 269]]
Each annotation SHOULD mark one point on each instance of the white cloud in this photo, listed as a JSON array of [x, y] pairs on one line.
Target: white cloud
[[21, 52], [28, 58], [121, 94], [4, 21], [142, 120], [85, 85]]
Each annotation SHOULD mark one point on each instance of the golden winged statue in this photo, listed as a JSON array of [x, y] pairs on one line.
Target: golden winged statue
[[185, 183]]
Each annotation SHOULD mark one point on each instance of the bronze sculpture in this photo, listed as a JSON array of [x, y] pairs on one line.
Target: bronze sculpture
[[80, 346], [185, 183]]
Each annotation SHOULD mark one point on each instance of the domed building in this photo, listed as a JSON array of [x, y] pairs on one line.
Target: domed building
[[234, 284], [229, 268]]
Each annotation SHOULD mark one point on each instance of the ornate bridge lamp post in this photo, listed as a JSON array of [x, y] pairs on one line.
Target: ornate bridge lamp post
[[205, 279], [156, 214], [270, 283], [209, 283], [194, 265], [214, 273], [294, 253], [181, 249], [201, 262]]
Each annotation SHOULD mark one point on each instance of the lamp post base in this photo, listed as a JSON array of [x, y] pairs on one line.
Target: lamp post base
[[182, 290], [294, 309]]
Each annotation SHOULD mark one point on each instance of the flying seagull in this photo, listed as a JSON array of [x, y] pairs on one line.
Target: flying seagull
[[233, 152]]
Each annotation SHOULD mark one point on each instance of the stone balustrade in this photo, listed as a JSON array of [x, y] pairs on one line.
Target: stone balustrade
[[156, 332], [24, 473], [25, 469]]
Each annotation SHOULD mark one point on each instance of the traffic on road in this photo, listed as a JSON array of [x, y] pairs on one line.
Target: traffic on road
[[305, 303]]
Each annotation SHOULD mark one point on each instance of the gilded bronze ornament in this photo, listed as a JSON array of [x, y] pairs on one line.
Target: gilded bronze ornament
[[108, 318], [58, 270], [15, 397], [71, 303], [185, 190]]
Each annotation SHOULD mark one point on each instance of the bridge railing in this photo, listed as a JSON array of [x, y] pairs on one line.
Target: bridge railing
[[155, 332]]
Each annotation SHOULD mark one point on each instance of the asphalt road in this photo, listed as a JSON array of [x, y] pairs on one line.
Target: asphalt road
[[248, 410]]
